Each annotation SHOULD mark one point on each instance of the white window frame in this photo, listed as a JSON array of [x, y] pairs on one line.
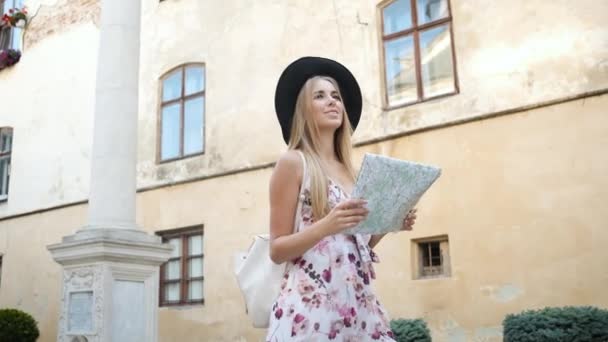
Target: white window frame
[[5, 173]]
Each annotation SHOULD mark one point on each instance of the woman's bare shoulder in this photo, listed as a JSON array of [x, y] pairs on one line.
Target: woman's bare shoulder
[[290, 161]]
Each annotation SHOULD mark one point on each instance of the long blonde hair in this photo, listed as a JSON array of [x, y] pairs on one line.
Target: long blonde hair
[[305, 137]]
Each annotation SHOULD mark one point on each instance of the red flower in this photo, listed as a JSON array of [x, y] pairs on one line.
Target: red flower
[[365, 279], [299, 318], [376, 335], [327, 275], [351, 257], [347, 322], [279, 313]]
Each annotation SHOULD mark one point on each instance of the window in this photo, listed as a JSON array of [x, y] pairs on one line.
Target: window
[[10, 37], [181, 277], [432, 258], [418, 51], [182, 113], [6, 142]]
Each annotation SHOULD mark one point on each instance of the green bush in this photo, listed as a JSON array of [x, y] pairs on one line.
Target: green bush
[[571, 324], [17, 326], [410, 330]]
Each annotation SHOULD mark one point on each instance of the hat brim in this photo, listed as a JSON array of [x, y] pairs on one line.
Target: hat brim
[[297, 73]]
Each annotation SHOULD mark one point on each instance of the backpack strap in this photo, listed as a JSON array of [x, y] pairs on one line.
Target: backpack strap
[[301, 198]]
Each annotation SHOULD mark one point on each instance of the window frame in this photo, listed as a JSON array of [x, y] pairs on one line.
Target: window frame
[[414, 31], [181, 100], [8, 155], [417, 257], [11, 31], [184, 234], [6, 36]]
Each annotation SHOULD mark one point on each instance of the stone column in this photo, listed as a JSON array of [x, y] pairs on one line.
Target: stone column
[[113, 161], [110, 267]]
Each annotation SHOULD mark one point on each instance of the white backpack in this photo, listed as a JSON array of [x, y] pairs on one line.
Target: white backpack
[[258, 277]]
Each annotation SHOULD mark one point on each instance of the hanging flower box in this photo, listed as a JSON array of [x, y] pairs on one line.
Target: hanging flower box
[[9, 58]]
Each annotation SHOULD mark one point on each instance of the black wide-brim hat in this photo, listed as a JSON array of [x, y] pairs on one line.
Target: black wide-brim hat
[[298, 72]]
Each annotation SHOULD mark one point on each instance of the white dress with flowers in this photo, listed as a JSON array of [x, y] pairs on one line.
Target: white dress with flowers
[[326, 293]]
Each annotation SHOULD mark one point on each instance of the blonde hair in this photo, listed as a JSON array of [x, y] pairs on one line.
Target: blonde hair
[[305, 137]]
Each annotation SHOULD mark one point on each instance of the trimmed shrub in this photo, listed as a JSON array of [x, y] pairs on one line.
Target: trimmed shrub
[[410, 330], [17, 326], [572, 324]]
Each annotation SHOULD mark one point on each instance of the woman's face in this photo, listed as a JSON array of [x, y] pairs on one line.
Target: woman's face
[[327, 107]]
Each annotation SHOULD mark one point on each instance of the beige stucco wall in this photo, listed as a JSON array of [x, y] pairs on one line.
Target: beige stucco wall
[[509, 54], [542, 51], [521, 199], [31, 280], [48, 99], [521, 203]]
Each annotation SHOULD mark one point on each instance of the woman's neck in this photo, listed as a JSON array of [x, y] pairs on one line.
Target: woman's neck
[[327, 149]]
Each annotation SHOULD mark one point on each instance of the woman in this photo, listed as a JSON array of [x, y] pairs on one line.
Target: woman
[[326, 292]]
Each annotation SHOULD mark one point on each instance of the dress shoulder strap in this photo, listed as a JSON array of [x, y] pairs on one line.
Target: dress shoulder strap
[[304, 168], [301, 196]]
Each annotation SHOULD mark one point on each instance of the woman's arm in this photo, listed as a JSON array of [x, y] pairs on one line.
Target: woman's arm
[[284, 190], [285, 183], [373, 241]]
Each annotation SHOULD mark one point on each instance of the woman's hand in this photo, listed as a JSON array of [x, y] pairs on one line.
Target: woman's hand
[[409, 220], [345, 215], [408, 224]]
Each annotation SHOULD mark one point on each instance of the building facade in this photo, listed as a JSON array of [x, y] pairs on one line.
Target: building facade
[[509, 98]]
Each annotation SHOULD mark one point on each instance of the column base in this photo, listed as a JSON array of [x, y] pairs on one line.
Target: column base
[[110, 285]]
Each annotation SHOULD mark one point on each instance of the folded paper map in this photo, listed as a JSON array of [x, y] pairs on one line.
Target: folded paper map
[[392, 187]]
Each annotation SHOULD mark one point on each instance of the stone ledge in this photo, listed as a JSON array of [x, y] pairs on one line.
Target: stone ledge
[[100, 245]]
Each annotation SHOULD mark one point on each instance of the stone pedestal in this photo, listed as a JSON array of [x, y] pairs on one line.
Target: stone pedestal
[[110, 286]]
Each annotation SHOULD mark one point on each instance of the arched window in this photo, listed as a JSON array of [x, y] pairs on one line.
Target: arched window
[[182, 113]]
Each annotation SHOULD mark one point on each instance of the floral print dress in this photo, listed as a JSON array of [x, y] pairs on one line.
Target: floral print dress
[[326, 293]]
